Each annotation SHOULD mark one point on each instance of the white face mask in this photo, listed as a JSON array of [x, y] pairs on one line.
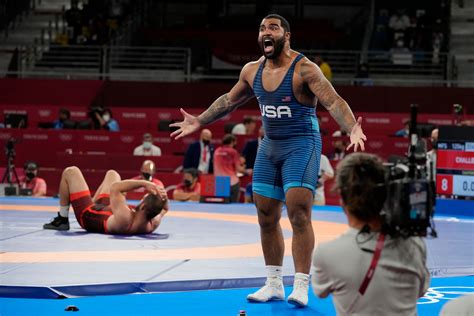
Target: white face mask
[[147, 145], [106, 117]]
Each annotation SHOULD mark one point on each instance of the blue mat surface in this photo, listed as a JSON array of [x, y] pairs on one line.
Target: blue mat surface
[[214, 302]]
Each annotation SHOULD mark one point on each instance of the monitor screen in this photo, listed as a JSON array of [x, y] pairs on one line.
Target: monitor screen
[[455, 162]]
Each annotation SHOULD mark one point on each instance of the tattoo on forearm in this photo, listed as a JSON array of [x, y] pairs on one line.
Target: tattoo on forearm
[[343, 115], [328, 97], [218, 109]]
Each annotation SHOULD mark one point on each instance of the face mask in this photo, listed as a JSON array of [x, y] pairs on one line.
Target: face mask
[[146, 145], [188, 183], [434, 143], [146, 176], [106, 117], [30, 175], [206, 142]]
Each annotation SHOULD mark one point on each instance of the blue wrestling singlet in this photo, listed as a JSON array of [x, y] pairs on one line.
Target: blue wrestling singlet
[[289, 154]]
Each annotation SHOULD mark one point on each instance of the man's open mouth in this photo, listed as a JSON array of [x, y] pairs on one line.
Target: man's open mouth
[[267, 45]]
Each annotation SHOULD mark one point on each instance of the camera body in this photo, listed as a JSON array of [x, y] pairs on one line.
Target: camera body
[[409, 208]]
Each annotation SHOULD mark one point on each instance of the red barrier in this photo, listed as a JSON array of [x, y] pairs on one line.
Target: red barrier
[[156, 95], [147, 119]]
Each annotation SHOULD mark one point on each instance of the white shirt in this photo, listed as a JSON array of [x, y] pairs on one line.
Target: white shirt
[[400, 278], [204, 165], [239, 129], [324, 168], [153, 151]]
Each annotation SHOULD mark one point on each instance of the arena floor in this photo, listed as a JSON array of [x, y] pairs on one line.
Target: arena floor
[[203, 260]]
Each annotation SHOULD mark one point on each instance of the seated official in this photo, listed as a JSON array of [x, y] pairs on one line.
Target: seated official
[[190, 188], [340, 266]]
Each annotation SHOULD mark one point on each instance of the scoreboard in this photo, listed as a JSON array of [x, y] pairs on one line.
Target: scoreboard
[[455, 162]]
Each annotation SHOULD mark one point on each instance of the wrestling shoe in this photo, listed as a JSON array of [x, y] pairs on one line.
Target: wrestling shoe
[[299, 296], [272, 290], [58, 223]]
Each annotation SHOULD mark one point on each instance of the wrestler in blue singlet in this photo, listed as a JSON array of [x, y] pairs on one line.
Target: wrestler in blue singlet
[[289, 154]]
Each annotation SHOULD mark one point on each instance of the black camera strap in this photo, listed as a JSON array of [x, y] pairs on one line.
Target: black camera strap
[[373, 264]]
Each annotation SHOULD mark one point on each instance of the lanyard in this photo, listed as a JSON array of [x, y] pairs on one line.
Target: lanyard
[[373, 264]]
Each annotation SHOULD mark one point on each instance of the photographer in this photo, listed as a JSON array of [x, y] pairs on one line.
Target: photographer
[[397, 276], [106, 121], [100, 118]]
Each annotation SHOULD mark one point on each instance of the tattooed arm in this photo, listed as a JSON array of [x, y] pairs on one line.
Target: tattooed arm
[[238, 95], [337, 106], [324, 91]]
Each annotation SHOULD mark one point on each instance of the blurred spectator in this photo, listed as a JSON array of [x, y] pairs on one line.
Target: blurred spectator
[[73, 17], [247, 127], [431, 155], [227, 162], [362, 76], [200, 154], [107, 122], [405, 131], [147, 172], [250, 149], [324, 66], [339, 151], [147, 148], [326, 172], [30, 183], [64, 120], [398, 24], [190, 188]]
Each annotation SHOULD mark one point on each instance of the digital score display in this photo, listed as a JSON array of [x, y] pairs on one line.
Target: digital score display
[[455, 168]]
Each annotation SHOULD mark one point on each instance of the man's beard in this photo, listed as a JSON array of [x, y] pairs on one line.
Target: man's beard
[[278, 45]]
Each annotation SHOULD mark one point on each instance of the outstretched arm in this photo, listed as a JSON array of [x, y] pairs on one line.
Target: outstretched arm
[[238, 95], [337, 106]]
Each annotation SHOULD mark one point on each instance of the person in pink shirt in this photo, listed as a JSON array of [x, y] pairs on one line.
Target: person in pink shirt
[[190, 188], [31, 181], [227, 162]]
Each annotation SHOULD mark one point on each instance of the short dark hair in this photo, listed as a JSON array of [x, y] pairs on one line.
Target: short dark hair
[[360, 177], [228, 139], [152, 205], [192, 171], [284, 23]]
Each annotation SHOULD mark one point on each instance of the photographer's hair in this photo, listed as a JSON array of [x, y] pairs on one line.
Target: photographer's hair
[[152, 205], [360, 178]]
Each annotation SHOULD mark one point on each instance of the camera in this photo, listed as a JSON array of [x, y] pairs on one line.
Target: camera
[[409, 208]]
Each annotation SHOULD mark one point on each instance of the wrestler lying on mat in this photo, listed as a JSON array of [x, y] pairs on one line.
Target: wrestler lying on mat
[[108, 212]]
